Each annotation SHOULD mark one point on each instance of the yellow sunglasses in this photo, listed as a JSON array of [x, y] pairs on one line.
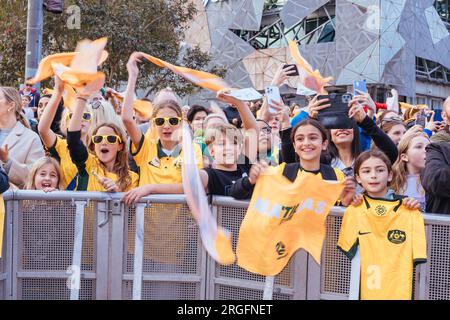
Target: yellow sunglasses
[[173, 121], [87, 116], [110, 139]]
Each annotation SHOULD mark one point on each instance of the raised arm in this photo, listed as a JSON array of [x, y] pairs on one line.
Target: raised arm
[[44, 127], [381, 139], [127, 110], [78, 151], [249, 123]]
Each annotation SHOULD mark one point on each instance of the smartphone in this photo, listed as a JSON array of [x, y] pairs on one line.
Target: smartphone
[[361, 86], [421, 119], [438, 115], [273, 94], [294, 71], [336, 116]]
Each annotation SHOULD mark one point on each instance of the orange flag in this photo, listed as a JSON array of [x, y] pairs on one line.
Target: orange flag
[[309, 78], [45, 69], [277, 224], [82, 73], [199, 78], [216, 240]]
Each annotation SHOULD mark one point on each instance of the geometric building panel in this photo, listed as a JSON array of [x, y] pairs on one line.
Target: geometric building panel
[[249, 15], [321, 56], [296, 10], [263, 64], [198, 31], [353, 35], [376, 40], [238, 77], [437, 28], [231, 49], [365, 66]]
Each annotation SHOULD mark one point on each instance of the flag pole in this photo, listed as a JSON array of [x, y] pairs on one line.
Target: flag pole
[[268, 288]]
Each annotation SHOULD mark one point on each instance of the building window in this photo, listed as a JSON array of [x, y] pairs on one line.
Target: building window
[[442, 7], [432, 71], [316, 28], [436, 104]]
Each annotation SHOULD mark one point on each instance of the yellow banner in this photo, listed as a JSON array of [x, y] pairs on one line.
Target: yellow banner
[[279, 223]]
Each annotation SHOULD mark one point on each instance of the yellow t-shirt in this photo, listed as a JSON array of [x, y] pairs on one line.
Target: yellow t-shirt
[[155, 167], [60, 152], [391, 239], [93, 165]]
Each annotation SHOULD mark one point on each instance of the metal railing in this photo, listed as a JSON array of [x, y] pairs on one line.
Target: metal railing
[[80, 245]]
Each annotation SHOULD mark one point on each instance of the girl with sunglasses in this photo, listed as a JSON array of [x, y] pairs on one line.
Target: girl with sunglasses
[[57, 145], [103, 165], [158, 159]]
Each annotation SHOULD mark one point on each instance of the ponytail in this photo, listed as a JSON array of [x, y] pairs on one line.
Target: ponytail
[[22, 119], [12, 95]]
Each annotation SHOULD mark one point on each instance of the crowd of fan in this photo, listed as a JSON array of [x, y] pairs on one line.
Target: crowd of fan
[[101, 144]]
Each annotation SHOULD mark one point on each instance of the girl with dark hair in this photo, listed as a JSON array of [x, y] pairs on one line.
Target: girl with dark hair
[[309, 139], [345, 144]]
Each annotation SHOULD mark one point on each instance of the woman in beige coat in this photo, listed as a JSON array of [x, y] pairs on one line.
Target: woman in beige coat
[[20, 147]]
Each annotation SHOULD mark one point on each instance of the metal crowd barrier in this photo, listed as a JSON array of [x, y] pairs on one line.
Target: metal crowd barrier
[[80, 245]]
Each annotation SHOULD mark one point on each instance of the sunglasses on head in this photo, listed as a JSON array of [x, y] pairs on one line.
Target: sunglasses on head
[[87, 116], [96, 103], [392, 120], [110, 139], [173, 121]]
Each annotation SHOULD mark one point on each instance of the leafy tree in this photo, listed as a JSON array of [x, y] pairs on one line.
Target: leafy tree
[[152, 26]]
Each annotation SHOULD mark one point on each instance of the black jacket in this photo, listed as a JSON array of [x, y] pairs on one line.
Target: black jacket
[[436, 178], [4, 182], [380, 139]]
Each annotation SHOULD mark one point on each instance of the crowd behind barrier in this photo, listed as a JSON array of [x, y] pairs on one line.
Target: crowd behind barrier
[[45, 246]]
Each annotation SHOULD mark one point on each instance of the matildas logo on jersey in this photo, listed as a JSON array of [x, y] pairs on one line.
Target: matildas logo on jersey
[[380, 210], [396, 236]]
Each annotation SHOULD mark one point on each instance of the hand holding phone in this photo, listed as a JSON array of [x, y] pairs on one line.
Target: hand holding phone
[[292, 70], [421, 119], [273, 94], [359, 87]]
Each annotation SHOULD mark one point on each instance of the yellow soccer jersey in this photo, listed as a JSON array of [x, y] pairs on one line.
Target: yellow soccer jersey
[[93, 165], [155, 167], [60, 152], [391, 239]]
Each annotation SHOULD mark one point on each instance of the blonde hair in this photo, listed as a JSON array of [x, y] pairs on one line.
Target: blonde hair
[[231, 132], [171, 104], [399, 169], [121, 166], [30, 185], [12, 95], [103, 112], [64, 124]]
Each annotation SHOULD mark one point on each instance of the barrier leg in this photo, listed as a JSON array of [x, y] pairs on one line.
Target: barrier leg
[[355, 276], [268, 288], [138, 251], [74, 280]]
